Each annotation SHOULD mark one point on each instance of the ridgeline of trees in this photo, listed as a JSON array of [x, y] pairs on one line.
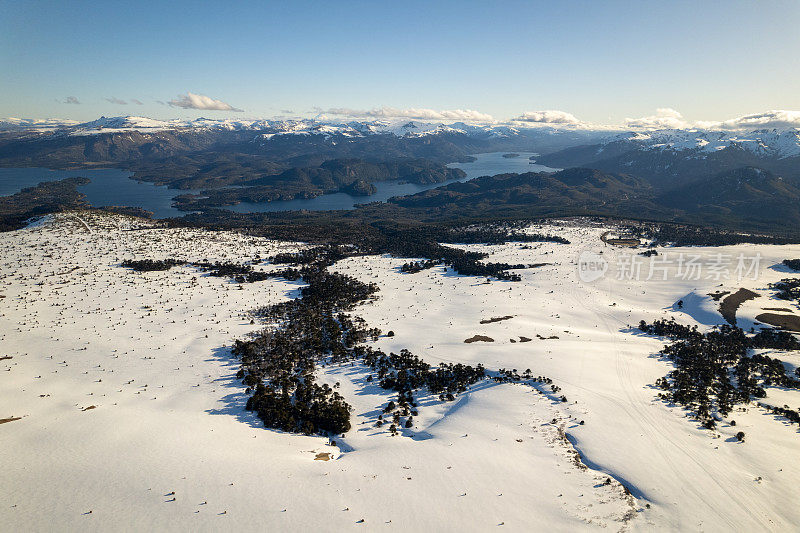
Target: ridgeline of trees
[[715, 371], [425, 242], [318, 255], [241, 273], [685, 235]]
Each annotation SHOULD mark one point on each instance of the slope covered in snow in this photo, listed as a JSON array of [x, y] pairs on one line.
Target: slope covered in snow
[[130, 416]]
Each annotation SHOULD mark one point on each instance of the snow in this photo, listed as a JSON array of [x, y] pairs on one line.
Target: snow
[[492, 457], [694, 142], [778, 143]]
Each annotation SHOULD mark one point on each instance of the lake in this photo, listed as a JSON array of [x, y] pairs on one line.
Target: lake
[[114, 187], [108, 186]]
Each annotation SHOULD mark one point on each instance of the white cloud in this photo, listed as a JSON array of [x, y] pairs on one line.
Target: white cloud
[[201, 101], [665, 118], [672, 119], [769, 119], [412, 113], [114, 100], [549, 117]]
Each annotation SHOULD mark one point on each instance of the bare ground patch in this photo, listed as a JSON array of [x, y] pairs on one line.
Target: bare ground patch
[[479, 338], [10, 419], [787, 322], [732, 303]]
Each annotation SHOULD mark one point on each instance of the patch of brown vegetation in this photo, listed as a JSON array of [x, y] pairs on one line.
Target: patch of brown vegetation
[[731, 304], [90, 407], [496, 319], [525, 339], [324, 456], [10, 419], [787, 322], [481, 338], [781, 309]]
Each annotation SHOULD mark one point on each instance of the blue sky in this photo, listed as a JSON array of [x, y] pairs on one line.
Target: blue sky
[[600, 61]]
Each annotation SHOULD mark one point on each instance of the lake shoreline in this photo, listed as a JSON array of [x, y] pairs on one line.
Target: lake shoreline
[[111, 186]]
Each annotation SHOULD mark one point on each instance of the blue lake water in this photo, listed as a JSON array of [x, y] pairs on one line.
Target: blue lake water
[[484, 165], [114, 187], [108, 186]]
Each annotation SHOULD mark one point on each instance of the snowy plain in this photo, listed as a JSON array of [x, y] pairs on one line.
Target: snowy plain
[[131, 417]]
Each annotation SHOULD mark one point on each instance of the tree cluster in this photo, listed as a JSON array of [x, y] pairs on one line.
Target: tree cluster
[[686, 235], [788, 289], [278, 364], [406, 372], [794, 264], [717, 370], [151, 265], [418, 266]]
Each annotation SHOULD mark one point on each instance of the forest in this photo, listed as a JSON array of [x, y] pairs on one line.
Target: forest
[[788, 289], [278, 364], [718, 370]]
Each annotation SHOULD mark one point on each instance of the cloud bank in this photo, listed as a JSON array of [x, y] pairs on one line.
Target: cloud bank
[[412, 113], [70, 100], [665, 118], [766, 120], [550, 116], [114, 100], [201, 101]]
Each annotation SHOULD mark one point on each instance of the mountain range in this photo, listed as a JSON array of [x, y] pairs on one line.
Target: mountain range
[[735, 177]]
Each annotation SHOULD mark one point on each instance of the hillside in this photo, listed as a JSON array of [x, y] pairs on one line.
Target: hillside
[[128, 413], [673, 158], [749, 194], [352, 176]]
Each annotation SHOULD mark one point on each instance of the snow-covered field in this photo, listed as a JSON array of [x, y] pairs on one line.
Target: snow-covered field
[[132, 419]]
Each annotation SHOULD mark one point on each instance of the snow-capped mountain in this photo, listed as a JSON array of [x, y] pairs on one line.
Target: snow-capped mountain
[[674, 157], [268, 127], [761, 142], [665, 157], [693, 142]]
